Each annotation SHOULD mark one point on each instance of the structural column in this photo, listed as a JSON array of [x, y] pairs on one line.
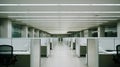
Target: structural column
[[25, 32], [6, 29], [35, 53], [118, 29], [101, 31], [87, 33], [81, 33]]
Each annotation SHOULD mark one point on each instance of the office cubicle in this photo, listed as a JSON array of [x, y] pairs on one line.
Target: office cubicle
[[72, 43], [81, 47], [27, 51], [67, 41], [101, 51], [45, 47]]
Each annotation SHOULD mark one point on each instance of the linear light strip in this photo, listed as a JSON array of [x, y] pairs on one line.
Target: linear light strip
[[59, 4], [66, 19], [61, 16], [59, 11]]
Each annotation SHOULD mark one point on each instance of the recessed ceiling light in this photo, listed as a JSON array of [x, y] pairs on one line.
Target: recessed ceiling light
[[60, 21], [60, 16], [59, 4], [59, 12], [66, 19]]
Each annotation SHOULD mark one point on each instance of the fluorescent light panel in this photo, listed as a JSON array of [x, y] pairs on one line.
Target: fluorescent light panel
[[59, 4], [61, 21], [59, 12], [66, 19], [61, 16]]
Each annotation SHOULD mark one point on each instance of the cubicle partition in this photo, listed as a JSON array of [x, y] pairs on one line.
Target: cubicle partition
[[67, 41], [54, 41], [5, 41], [35, 59], [21, 45], [73, 43], [51, 43], [45, 47], [92, 52], [81, 47]]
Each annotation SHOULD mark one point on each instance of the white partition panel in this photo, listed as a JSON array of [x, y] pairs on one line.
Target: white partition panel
[[35, 53], [77, 47], [46, 42], [72, 41], [117, 42], [80, 42], [5, 41], [48, 46], [21, 44], [106, 43], [55, 41], [43, 41], [92, 53], [83, 41]]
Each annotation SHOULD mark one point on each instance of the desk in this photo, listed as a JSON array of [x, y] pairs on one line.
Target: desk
[[108, 53], [23, 59], [106, 59], [21, 53]]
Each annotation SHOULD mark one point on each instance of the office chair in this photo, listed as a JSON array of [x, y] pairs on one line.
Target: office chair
[[6, 55], [116, 57]]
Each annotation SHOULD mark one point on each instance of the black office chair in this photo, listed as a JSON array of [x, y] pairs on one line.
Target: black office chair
[[6, 55], [116, 57]]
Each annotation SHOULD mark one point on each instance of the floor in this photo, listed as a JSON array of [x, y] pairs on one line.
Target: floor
[[62, 56]]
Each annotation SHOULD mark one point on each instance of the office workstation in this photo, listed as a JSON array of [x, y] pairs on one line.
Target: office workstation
[[72, 43], [26, 50], [45, 47], [103, 52]]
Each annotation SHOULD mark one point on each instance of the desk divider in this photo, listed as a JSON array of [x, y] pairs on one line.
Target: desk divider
[[117, 42], [5, 41], [79, 43], [92, 52], [35, 53], [21, 44], [106, 43]]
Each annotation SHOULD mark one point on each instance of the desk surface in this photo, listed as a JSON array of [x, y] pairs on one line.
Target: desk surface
[[107, 53], [21, 53]]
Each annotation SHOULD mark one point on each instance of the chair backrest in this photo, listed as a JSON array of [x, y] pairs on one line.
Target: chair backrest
[[6, 50], [118, 50]]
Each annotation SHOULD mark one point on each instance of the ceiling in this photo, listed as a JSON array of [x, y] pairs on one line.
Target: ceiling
[[61, 16]]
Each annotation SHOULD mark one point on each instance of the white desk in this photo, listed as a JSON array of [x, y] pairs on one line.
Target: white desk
[[106, 59], [21, 53], [108, 53]]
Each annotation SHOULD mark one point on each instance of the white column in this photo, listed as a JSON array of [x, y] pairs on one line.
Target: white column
[[31, 32], [6, 29], [92, 53], [81, 33], [101, 31], [87, 33], [118, 29], [35, 53], [37, 33], [25, 32], [9, 29]]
